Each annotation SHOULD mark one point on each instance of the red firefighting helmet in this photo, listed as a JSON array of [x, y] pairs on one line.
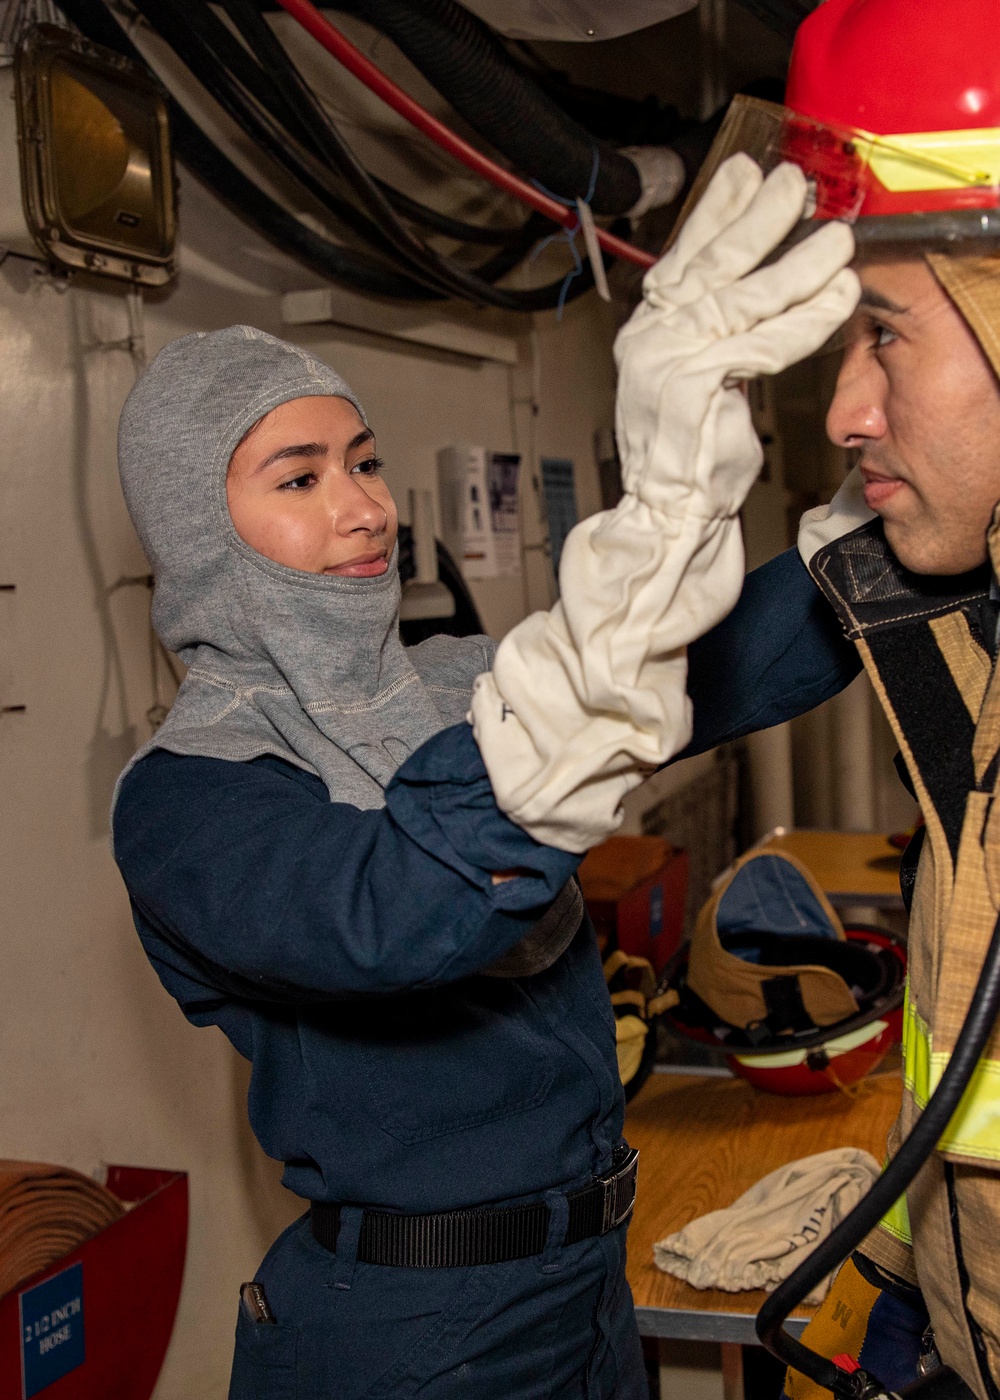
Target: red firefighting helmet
[[914, 85], [892, 109], [771, 976]]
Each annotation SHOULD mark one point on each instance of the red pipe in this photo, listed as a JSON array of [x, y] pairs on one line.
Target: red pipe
[[355, 61]]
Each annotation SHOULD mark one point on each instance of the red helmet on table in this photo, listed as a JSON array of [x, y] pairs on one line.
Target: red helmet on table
[[799, 1004]]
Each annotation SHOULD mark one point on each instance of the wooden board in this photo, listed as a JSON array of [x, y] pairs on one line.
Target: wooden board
[[850, 866], [704, 1141]]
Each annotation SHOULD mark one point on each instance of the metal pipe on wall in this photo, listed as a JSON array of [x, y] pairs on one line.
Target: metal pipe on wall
[[853, 759], [772, 800]]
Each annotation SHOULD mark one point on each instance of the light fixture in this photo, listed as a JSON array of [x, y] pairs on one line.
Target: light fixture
[[97, 176]]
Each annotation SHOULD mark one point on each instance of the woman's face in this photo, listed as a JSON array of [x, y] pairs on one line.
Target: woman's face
[[304, 489]]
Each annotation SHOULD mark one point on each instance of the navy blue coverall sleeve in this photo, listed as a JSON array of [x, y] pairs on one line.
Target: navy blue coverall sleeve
[[779, 653], [250, 870], [275, 889]]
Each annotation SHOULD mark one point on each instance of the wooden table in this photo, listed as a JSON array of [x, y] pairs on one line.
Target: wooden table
[[851, 867], [702, 1142]]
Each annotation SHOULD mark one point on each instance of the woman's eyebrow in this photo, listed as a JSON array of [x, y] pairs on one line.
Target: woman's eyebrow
[[298, 449], [313, 449]]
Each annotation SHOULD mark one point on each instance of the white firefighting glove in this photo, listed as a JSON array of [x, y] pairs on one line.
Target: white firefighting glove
[[587, 700]]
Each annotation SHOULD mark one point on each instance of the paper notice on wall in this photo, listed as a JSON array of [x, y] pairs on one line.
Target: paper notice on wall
[[480, 517], [559, 488]]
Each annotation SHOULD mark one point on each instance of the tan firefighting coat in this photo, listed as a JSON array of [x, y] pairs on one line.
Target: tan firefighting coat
[[927, 646]]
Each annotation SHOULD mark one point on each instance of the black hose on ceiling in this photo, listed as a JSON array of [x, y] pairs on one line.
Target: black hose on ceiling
[[463, 59], [189, 36], [268, 80], [257, 111], [194, 38], [311, 119], [272, 220], [433, 219], [274, 80], [302, 114]]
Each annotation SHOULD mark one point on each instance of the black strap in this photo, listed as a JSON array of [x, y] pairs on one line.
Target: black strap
[[490, 1235], [785, 1008]]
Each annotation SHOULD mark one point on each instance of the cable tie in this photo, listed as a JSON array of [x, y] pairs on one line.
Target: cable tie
[[584, 222]]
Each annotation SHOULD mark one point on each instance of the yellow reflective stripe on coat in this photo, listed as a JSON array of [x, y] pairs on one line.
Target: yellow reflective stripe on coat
[[897, 1222], [974, 1130], [916, 1052]]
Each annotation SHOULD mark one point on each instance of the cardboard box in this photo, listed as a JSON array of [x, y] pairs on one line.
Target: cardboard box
[[635, 887]]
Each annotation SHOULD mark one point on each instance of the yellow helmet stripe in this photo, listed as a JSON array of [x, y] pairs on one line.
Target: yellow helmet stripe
[[932, 160]]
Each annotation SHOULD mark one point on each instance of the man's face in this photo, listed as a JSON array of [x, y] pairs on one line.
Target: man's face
[[918, 400]]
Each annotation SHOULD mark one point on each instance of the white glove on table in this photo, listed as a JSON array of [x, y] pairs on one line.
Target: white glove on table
[[586, 700], [768, 1232]]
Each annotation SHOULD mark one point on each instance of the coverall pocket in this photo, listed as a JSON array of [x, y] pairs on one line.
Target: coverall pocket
[[440, 1362], [457, 1058], [615, 1369], [265, 1361]]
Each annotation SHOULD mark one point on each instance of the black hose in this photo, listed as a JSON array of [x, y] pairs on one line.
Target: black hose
[[274, 222], [190, 36], [277, 83], [307, 116], [187, 36], [463, 59], [303, 115], [437, 222], [897, 1176], [259, 122], [274, 82]]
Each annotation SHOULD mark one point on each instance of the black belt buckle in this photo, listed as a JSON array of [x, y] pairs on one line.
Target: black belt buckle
[[618, 1192]]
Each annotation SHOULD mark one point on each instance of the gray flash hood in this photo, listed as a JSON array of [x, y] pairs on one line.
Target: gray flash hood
[[308, 667]]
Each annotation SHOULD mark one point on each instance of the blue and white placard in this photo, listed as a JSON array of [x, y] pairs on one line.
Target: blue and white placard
[[51, 1329]]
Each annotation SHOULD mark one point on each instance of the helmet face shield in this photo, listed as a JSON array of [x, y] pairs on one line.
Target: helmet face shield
[[930, 187]]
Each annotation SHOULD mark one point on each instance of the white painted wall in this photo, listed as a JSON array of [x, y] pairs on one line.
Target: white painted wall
[[98, 1063]]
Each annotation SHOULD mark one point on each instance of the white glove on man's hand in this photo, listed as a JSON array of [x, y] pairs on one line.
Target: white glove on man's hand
[[588, 699]]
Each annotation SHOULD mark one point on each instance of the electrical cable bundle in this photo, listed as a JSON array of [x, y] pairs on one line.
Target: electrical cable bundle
[[463, 59], [260, 89]]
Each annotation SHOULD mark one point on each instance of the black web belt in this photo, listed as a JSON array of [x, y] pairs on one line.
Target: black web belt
[[490, 1235]]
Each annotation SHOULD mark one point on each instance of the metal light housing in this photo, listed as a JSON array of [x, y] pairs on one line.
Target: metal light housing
[[97, 177]]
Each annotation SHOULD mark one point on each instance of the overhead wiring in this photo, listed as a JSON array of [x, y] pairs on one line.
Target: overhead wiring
[[394, 96], [275, 83], [307, 115], [280, 226], [308, 120], [188, 36], [185, 37], [465, 61], [437, 222]]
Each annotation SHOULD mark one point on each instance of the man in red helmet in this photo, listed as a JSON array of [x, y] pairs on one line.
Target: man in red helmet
[[894, 113], [914, 586]]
